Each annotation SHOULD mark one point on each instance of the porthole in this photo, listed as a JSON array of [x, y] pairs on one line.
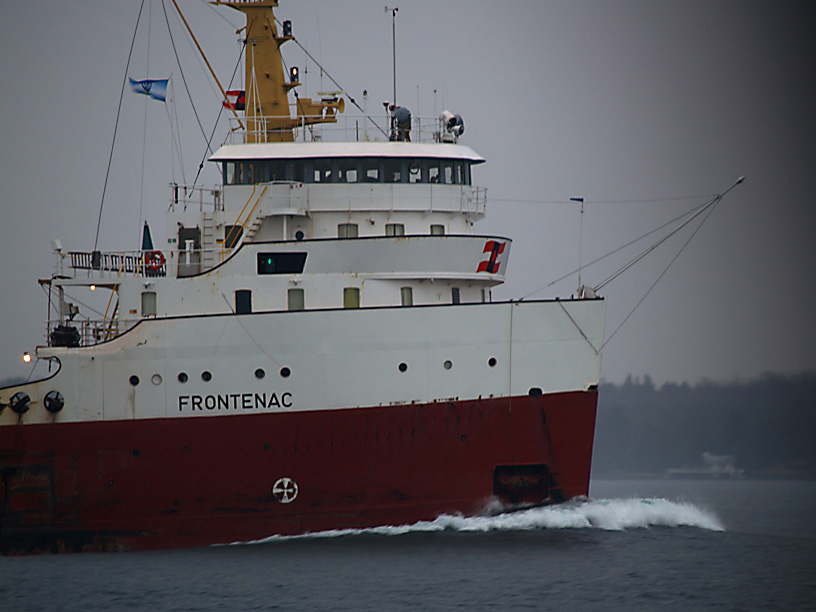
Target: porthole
[[156, 379], [182, 377], [259, 373], [206, 376], [53, 401], [403, 367], [299, 235], [135, 452], [492, 362], [285, 372], [535, 392], [448, 364], [134, 380]]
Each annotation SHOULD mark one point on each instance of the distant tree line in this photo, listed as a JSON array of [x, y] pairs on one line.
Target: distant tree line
[[768, 424]]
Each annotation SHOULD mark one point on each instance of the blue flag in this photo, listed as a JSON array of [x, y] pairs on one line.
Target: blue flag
[[155, 88]]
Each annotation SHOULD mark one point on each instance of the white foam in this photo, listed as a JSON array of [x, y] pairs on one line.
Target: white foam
[[606, 514]]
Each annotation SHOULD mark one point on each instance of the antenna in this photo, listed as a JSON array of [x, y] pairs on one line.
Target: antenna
[[580, 240], [394, 10]]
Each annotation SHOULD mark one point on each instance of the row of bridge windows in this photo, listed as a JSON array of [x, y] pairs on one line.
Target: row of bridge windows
[[348, 170]]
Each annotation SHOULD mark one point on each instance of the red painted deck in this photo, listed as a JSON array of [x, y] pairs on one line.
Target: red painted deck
[[177, 482]]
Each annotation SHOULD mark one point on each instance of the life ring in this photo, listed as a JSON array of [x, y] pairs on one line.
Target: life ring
[[154, 260]]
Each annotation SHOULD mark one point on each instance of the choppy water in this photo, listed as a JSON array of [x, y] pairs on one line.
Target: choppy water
[[637, 545]]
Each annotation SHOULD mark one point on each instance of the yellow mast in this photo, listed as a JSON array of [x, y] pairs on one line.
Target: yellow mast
[[267, 98]]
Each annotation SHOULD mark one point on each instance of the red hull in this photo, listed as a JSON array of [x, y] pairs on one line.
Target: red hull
[[168, 483]]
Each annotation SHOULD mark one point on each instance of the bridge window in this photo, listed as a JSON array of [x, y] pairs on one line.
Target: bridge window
[[348, 170]]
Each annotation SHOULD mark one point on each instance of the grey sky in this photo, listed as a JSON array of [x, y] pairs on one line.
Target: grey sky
[[627, 100]]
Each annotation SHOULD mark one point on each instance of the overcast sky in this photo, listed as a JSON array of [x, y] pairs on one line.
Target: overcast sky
[[634, 105]]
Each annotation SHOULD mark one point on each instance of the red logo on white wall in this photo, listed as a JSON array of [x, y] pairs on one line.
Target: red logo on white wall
[[491, 257]]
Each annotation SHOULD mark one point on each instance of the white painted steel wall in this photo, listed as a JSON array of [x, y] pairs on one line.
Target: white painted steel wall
[[337, 359]]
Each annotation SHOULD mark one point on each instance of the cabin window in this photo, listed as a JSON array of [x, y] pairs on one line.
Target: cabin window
[[243, 301], [459, 172], [347, 230], [296, 299], [414, 170], [281, 263], [437, 229], [351, 297], [393, 170], [149, 304], [447, 172], [467, 173], [407, 296], [370, 170], [322, 170], [433, 171], [347, 170], [394, 229], [455, 295], [228, 173]]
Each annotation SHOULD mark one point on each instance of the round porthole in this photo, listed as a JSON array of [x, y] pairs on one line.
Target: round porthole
[[299, 235], [492, 362], [206, 376], [259, 373], [403, 367], [182, 377], [134, 380], [448, 364], [54, 401], [156, 379], [285, 372]]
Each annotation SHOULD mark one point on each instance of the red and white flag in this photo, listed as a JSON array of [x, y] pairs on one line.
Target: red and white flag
[[236, 100]]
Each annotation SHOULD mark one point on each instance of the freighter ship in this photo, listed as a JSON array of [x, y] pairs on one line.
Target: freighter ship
[[315, 346]]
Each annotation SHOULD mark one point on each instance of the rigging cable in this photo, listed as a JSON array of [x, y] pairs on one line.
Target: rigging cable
[[144, 125], [711, 206], [116, 126], [332, 79], [184, 80], [220, 110], [620, 248]]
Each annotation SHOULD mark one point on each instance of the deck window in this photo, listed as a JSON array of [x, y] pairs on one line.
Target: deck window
[[407, 296], [149, 304], [347, 230], [243, 301], [394, 229], [455, 295], [281, 263], [351, 297], [296, 299], [437, 229]]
